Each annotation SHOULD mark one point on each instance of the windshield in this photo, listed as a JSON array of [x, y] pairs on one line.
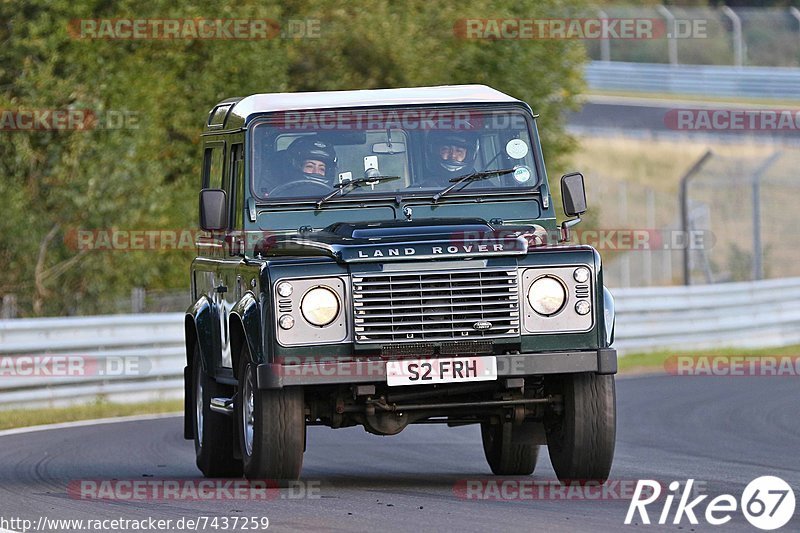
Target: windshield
[[309, 154]]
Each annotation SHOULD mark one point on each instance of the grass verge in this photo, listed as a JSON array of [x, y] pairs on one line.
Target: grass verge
[[699, 98], [654, 362], [14, 418]]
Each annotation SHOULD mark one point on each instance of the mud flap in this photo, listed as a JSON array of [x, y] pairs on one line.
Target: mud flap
[[188, 407]]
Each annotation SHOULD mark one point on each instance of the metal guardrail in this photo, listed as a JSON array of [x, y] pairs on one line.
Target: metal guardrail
[[119, 358], [749, 314], [706, 80]]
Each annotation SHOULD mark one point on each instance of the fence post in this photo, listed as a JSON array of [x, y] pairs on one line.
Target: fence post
[[758, 259], [738, 45], [672, 40], [684, 201], [605, 44], [795, 13], [9, 307], [647, 255], [137, 300]]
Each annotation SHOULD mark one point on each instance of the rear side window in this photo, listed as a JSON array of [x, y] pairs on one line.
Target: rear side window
[[212, 167], [217, 117]]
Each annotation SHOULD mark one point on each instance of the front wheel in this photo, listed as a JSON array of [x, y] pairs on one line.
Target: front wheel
[[271, 427], [581, 435], [213, 432]]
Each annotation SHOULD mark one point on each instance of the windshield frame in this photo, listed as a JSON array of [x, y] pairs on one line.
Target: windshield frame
[[463, 192]]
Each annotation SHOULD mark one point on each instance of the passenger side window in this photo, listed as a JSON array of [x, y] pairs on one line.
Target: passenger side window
[[212, 166], [236, 192]]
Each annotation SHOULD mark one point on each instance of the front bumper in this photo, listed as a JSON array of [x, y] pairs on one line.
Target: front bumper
[[277, 376]]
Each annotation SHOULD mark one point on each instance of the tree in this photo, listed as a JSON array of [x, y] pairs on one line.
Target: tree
[[144, 175]]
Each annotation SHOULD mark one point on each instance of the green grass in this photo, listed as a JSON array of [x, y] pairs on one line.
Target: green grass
[[694, 97], [100, 409], [654, 362]]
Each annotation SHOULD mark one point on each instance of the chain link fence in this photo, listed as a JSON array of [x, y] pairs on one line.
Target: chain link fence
[[705, 36], [742, 224], [749, 207], [635, 229]]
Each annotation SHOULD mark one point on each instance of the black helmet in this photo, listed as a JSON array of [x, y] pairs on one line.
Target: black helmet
[[313, 148], [464, 139]]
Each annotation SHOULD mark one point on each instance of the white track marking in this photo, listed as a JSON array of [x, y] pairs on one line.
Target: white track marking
[[84, 423]]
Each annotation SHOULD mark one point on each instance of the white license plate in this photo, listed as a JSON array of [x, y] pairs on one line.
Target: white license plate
[[444, 370]]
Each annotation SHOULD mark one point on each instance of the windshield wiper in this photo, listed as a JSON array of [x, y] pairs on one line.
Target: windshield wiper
[[469, 178], [354, 184]]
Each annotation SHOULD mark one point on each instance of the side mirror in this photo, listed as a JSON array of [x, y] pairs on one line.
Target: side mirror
[[213, 209], [573, 194]]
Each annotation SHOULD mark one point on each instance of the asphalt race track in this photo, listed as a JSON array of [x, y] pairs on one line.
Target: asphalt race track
[[648, 116], [722, 432]]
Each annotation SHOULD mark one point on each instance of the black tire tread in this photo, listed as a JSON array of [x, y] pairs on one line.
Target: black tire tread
[[581, 443], [215, 456], [506, 458], [280, 422]]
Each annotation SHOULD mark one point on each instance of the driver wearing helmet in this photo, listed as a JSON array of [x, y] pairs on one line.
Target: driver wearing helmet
[[452, 154], [314, 158]]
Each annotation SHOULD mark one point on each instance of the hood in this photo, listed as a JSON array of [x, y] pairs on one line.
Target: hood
[[397, 240]]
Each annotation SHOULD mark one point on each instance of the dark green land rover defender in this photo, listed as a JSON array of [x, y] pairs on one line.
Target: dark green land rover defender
[[391, 257]]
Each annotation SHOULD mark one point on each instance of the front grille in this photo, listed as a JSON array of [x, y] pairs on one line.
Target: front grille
[[392, 307]]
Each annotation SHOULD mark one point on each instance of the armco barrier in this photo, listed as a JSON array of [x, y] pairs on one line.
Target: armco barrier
[[751, 314], [705, 80]]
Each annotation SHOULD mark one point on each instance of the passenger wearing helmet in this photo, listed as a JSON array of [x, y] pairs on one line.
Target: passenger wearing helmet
[[451, 154], [314, 158]]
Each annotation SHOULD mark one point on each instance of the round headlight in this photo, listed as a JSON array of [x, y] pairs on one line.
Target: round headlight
[[320, 306], [581, 274], [547, 296], [285, 289]]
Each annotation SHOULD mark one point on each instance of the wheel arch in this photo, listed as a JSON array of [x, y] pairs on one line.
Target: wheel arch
[[245, 328], [199, 333]]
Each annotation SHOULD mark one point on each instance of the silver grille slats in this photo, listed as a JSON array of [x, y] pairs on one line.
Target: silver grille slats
[[443, 305]]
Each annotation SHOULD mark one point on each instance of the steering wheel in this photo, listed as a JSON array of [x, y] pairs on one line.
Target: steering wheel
[[304, 183]]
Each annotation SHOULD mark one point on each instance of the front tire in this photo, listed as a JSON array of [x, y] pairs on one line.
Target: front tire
[[271, 427], [213, 432], [581, 438], [504, 453]]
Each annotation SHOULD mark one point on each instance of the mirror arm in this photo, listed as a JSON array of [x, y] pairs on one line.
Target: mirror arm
[[566, 225]]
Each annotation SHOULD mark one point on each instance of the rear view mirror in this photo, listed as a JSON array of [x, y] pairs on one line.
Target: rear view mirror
[[213, 209], [573, 194], [389, 148]]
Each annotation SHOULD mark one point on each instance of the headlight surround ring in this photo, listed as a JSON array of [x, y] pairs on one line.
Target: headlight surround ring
[[320, 306], [547, 295]]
